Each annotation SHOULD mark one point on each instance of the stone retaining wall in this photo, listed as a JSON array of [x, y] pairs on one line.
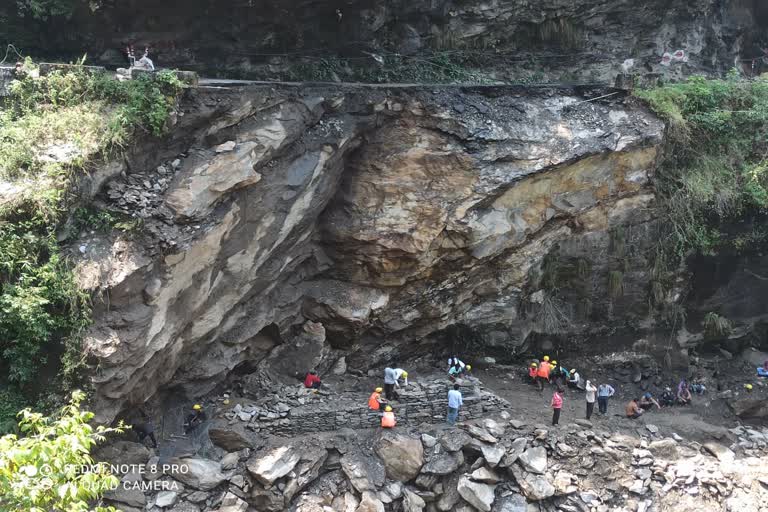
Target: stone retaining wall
[[410, 410]]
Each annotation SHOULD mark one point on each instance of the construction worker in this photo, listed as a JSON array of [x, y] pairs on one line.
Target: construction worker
[[196, 417], [667, 397], [374, 401], [388, 418], [543, 375], [533, 371], [389, 383], [455, 362], [401, 374], [591, 393], [574, 380], [647, 401], [312, 381], [604, 392], [558, 375]]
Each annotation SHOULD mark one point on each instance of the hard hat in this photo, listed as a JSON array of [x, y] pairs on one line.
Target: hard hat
[[379, 390], [469, 367], [748, 386], [534, 365], [388, 408], [554, 363], [405, 374], [197, 407], [573, 370], [546, 358], [226, 401]]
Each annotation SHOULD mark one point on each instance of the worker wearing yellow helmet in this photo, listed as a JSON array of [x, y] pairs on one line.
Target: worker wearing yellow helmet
[[533, 371], [388, 418], [196, 417], [546, 358], [374, 401], [401, 374], [748, 387]]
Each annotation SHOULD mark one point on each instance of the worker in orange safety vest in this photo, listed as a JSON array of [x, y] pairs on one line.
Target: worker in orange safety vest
[[388, 418], [374, 401], [543, 374]]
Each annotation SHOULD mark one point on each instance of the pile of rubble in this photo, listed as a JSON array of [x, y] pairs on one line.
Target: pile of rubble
[[142, 194], [487, 465]]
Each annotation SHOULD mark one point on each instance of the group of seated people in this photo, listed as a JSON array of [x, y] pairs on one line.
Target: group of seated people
[[457, 368], [637, 406]]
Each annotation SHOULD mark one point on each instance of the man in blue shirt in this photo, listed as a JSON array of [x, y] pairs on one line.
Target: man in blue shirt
[[390, 379], [455, 401]]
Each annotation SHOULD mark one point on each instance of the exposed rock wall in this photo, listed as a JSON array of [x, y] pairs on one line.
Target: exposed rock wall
[[561, 39], [373, 213]]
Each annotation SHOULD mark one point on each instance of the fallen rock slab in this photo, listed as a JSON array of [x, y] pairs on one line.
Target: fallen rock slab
[[403, 456], [201, 474], [275, 464], [478, 495], [534, 460], [723, 453]]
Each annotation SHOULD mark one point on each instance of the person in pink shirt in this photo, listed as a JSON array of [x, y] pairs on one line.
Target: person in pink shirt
[[557, 404]]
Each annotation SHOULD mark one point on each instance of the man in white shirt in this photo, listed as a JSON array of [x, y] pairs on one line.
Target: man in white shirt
[[455, 401]]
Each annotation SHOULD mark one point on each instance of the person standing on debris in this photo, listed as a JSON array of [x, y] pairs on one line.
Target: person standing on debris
[[591, 393], [389, 383], [633, 410], [604, 392], [374, 401], [557, 404], [533, 372], [543, 373], [401, 374], [455, 401], [388, 418], [196, 417], [312, 380]]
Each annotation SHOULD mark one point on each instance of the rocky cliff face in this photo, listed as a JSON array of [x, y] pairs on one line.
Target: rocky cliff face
[[514, 39], [299, 224]]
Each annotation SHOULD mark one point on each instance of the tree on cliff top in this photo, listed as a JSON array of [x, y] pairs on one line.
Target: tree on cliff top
[[41, 470]]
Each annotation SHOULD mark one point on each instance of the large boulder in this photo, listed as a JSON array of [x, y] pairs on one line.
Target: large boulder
[[477, 494], [514, 452], [454, 440], [306, 471], [370, 503], [403, 456], [534, 487], [202, 474], [122, 453], [511, 503], [443, 463], [723, 453], [230, 438], [750, 408], [232, 503], [364, 473], [450, 496], [534, 460], [412, 502], [273, 465], [126, 495]]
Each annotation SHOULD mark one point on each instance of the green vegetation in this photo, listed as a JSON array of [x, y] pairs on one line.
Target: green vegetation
[[441, 67], [52, 130], [716, 326], [715, 172], [40, 468]]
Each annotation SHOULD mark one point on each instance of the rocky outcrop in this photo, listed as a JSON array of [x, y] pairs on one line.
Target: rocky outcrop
[[515, 39], [394, 212]]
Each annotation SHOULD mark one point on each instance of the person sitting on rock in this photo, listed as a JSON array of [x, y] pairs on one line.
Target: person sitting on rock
[[401, 374], [633, 410], [312, 381], [683, 393], [762, 371], [195, 418], [559, 375], [374, 401], [667, 397], [388, 418], [698, 387], [647, 401]]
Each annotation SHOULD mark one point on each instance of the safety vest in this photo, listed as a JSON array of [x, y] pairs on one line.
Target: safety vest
[[373, 401], [544, 370], [388, 420], [533, 371]]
